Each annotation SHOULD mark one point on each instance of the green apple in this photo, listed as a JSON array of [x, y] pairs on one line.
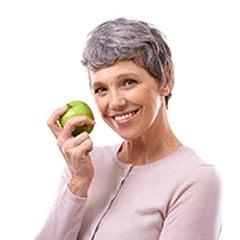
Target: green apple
[[77, 108]]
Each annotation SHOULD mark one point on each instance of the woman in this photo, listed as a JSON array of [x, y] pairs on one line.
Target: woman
[[150, 186]]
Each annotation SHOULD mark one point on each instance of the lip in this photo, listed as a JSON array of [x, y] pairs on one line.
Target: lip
[[125, 117]]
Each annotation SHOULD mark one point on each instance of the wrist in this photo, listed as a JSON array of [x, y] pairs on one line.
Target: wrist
[[79, 187]]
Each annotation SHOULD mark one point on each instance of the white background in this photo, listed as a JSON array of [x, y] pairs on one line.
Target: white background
[[40, 51]]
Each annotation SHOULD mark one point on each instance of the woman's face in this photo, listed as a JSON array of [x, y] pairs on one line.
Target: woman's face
[[128, 98]]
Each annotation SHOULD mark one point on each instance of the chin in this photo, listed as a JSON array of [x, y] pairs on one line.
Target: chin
[[128, 135]]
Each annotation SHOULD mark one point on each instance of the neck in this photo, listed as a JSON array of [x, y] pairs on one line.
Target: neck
[[155, 144]]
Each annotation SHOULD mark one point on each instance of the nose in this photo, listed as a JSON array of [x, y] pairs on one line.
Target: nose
[[117, 101]]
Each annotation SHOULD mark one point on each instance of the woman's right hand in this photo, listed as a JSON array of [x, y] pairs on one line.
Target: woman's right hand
[[75, 150]]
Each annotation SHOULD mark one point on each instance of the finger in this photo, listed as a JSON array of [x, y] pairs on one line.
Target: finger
[[73, 155], [53, 120], [73, 142], [85, 147], [73, 122]]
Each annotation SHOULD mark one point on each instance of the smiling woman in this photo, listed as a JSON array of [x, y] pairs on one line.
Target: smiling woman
[[129, 100], [150, 186]]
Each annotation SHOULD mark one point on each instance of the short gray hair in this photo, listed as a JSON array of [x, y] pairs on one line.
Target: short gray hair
[[126, 39]]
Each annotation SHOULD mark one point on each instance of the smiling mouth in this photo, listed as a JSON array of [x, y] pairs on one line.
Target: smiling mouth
[[125, 117]]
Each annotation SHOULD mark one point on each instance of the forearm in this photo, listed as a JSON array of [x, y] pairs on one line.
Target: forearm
[[64, 221]]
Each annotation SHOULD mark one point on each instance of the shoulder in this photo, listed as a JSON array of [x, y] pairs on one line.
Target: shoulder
[[205, 177], [200, 171], [202, 184], [192, 173], [195, 202]]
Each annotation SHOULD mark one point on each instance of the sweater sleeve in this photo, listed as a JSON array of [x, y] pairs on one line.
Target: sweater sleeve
[[64, 220], [193, 212]]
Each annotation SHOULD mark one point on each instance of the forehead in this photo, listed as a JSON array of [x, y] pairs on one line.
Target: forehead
[[118, 70]]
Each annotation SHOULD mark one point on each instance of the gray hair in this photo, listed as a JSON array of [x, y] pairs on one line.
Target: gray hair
[[125, 39]]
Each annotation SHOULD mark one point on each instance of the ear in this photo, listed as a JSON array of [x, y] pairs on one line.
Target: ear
[[167, 87]]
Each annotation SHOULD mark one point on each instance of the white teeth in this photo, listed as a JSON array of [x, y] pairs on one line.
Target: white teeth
[[124, 116]]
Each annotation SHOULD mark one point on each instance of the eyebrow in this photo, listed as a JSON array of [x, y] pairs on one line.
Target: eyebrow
[[120, 76]]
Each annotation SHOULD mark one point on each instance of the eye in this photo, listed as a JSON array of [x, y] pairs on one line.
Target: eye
[[100, 90], [129, 83]]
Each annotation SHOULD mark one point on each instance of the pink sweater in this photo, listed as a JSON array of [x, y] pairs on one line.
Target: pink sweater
[[175, 198]]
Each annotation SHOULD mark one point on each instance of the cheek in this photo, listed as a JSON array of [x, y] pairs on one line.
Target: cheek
[[101, 104], [134, 97]]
